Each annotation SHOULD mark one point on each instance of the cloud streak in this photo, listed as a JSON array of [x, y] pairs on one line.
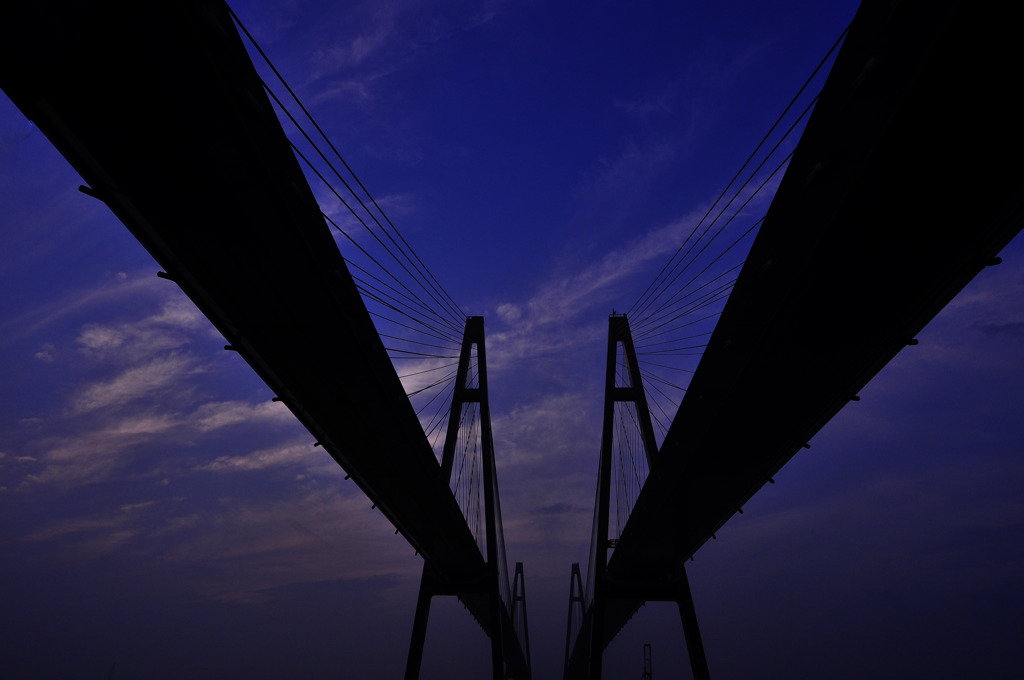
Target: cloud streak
[[295, 454], [134, 383]]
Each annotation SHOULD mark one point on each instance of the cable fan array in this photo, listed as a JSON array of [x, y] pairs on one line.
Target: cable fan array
[[674, 317], [671, 322], [467, 477], [419, 322], [629, 457]]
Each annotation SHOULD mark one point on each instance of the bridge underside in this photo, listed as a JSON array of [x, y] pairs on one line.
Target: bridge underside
[[192, 159], [905, 184]]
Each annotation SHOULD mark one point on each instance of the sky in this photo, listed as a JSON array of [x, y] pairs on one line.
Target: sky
[[160, 517]]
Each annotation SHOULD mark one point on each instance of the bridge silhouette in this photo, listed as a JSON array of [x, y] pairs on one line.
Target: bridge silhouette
[[881, 218], [210, 185], [884, 214]]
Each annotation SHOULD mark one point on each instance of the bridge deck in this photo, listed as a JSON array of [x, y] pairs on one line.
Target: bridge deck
[[905, 183], [192, 159]]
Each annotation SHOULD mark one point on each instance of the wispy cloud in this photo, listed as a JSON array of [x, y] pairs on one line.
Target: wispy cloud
[[355, 50], [132, 386], [37, 320], [167, 329], [306, 537], [548, 321], [86, 457], [90, 454], [530, 433], [659, 103], [614, 182], [239, 547], [215, 415], [46, 353], [78, 526], [293, 454], [134, 383], [391, 36]]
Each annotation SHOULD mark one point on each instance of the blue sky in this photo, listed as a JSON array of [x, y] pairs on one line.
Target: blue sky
[[159, 513]]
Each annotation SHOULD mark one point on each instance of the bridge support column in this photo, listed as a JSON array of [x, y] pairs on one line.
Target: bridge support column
[[691, 631], [475, 334], [618, 332], [519, 620], [419, 626], [575, 598]]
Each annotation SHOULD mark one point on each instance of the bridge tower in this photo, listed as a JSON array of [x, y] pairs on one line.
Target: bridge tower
[[648, 668], [577, 607], [585, 658], [519, 621], [505, 610]]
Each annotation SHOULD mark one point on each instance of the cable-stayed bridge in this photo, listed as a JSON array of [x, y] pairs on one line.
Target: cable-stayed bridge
[[889, 206], [160, 109], [887, 209]]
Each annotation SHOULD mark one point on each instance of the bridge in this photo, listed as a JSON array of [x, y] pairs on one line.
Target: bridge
[[889, 207], [193, 160], [884, 214]]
